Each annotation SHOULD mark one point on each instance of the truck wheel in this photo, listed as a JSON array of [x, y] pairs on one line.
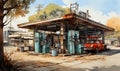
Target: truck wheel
[[105, 47]]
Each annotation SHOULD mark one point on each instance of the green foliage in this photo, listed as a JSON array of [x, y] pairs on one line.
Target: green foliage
[[51, 10], [17, 8], [10, 9]]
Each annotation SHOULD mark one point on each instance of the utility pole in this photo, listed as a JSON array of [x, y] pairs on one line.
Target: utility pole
[[39, 8]]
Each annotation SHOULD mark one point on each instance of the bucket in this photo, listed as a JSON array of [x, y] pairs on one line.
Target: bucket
[[54, 52], [21, 49]]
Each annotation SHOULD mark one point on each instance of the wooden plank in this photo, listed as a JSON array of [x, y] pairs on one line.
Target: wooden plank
[[62, 37]]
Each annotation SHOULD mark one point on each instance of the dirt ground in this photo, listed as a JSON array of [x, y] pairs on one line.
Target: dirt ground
[[29, 61]]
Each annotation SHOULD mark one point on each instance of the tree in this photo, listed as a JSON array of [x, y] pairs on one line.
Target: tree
[[52, 11], [8, 10]]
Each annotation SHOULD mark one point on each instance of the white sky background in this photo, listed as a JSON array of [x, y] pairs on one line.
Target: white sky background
[[97, 9], [18, 20]]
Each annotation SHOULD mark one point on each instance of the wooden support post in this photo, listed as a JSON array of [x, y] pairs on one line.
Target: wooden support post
[[62, 38], [103, 37], [86, 33], [66, 36], [34, 39]]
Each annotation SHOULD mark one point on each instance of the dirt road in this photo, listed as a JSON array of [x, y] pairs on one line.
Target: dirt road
[[104, 61]]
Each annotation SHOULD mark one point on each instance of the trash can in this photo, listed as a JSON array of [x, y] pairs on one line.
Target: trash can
[[54, 52], [21, 48]]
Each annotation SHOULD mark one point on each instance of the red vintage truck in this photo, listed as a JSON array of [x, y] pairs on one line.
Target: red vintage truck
[[94, 44]]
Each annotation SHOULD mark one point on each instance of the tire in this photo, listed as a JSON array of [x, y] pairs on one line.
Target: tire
[[105, 47]]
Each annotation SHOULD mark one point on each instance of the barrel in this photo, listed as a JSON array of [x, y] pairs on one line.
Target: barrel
[[54, 52], [79, 49]]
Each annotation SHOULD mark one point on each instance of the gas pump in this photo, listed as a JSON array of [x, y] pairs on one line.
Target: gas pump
[[76, 42], [71, 48], [45, 43], [73, 38], [75, 45], [48, 43], [37, 42]]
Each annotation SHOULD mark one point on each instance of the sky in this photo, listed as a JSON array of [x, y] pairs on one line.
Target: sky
[[100, 10]]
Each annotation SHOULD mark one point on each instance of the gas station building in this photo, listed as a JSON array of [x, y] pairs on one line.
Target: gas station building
[[68, 34]]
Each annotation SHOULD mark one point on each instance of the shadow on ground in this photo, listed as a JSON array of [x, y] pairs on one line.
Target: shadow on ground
[[110, 68], [110, 52], [47, 66]]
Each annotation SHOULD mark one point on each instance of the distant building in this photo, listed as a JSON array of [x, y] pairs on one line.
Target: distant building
[[18, 38], [6, 32], [115, 41]]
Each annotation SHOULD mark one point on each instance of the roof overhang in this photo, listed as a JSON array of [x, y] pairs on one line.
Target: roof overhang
[[67, 17]]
